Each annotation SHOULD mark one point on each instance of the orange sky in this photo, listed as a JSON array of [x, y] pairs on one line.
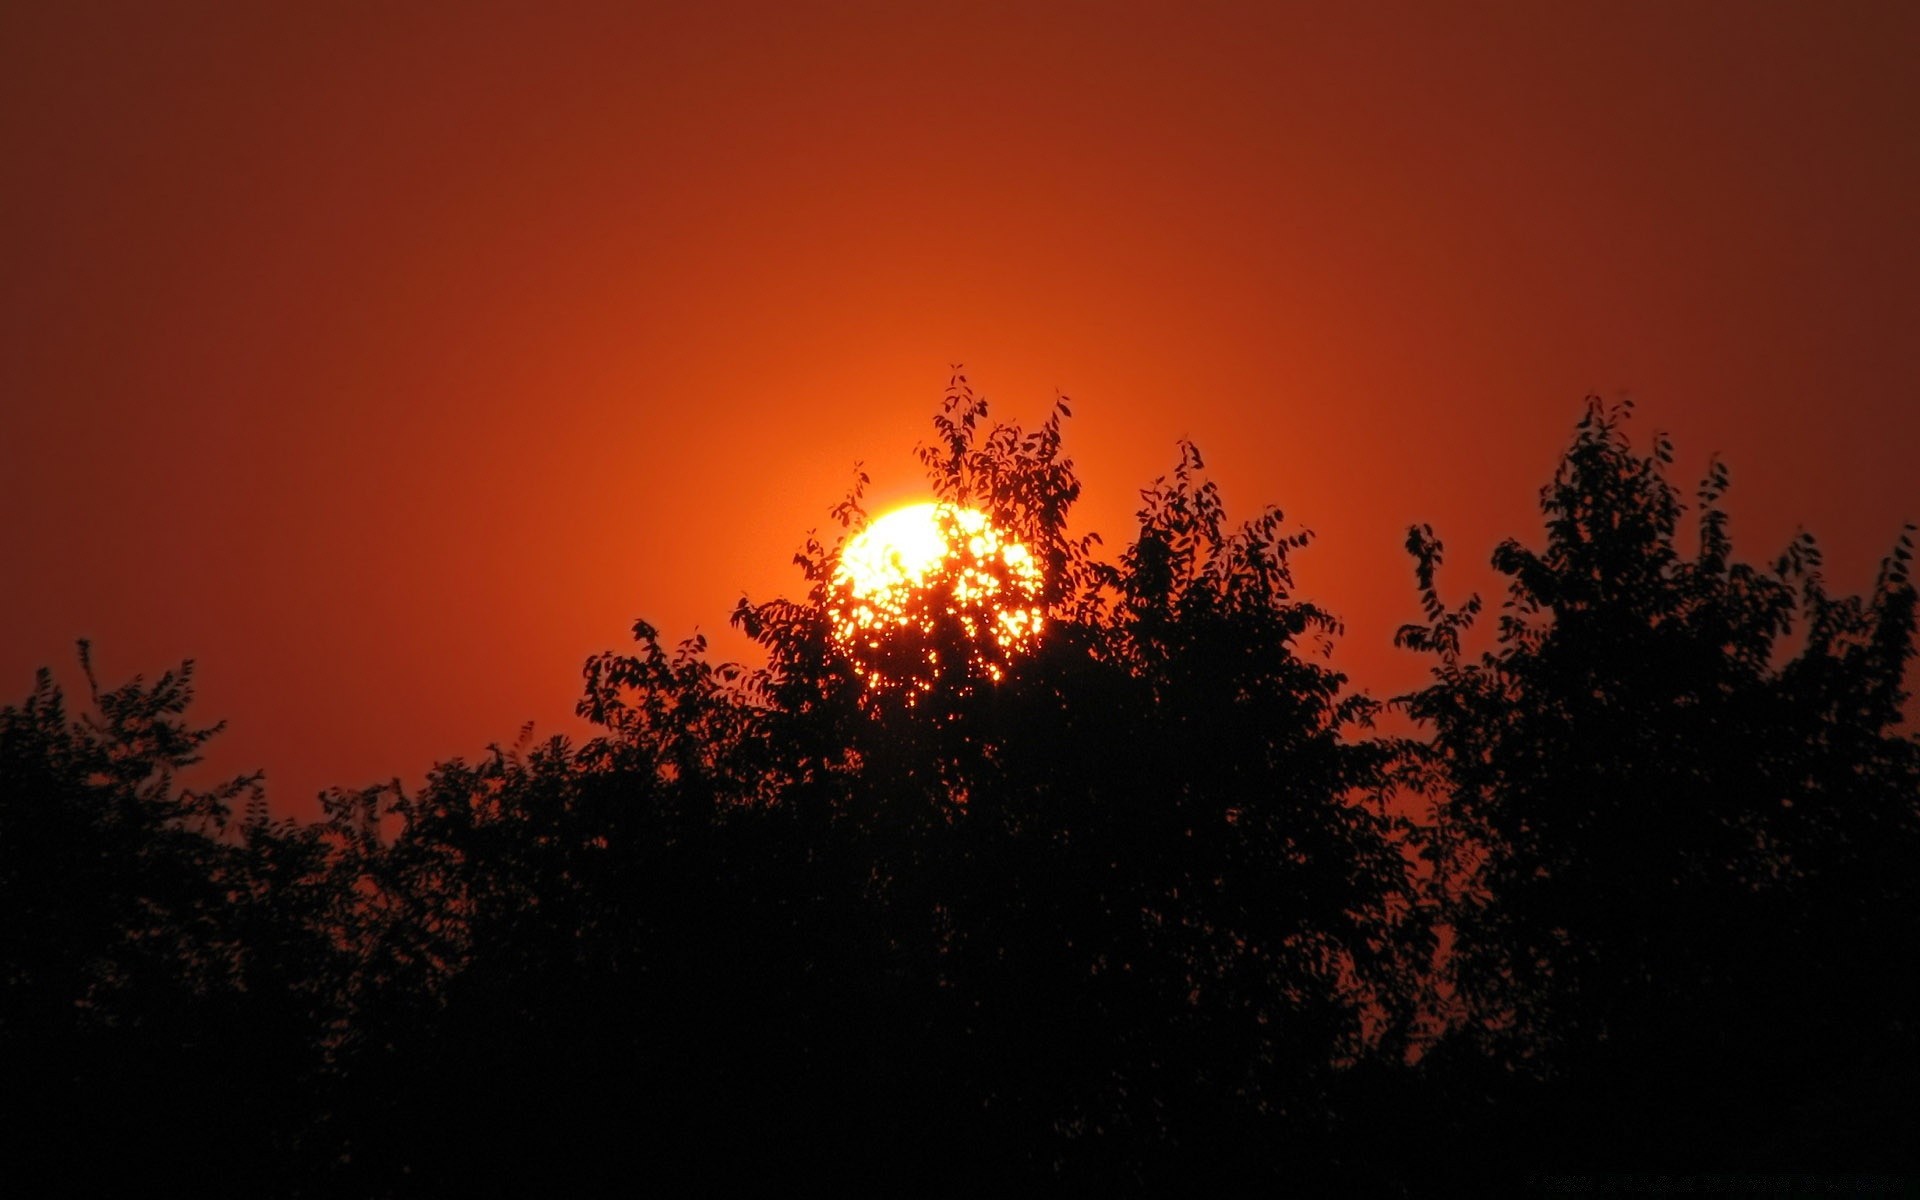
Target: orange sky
[[389, 359]]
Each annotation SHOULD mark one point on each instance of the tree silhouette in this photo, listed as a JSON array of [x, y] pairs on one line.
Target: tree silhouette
[[1676, 825], [165, 972], [1121, 906], [1124, 915], [1138, 885]]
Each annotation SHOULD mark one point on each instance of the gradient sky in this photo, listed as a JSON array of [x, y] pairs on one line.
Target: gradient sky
[[391, 358]]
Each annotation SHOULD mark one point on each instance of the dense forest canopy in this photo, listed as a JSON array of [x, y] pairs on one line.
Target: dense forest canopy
[[1150, 904]]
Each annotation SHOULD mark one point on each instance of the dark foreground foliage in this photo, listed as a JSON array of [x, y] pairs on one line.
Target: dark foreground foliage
[[1139, 916]]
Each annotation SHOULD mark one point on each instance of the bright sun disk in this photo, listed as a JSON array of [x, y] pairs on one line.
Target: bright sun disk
[[911, 570]]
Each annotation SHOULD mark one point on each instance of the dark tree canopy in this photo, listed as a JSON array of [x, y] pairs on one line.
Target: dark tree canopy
[[165, 966], [1137, 898], [1678, 821], [1132, 910]]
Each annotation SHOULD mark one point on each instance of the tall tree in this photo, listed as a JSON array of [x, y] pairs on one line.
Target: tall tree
[[1140, 886], [1675, 799], [166, 969]]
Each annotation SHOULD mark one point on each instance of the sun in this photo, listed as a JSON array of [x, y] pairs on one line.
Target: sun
[[930, 579]]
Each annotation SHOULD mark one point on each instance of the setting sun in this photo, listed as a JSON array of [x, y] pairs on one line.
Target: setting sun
[[917, 568]]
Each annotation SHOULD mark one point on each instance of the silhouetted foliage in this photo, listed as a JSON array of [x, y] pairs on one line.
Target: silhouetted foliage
[[165, 981], [1137, 914], [1676, 829], [1140, 889]]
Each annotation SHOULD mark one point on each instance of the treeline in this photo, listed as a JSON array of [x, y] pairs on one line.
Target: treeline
[[1159, 911]]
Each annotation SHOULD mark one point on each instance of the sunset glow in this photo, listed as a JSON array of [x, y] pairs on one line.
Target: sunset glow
[[918, 568], [286, 352]]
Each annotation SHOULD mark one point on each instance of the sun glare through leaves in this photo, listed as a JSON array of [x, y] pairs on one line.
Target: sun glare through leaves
[[933, 579]]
